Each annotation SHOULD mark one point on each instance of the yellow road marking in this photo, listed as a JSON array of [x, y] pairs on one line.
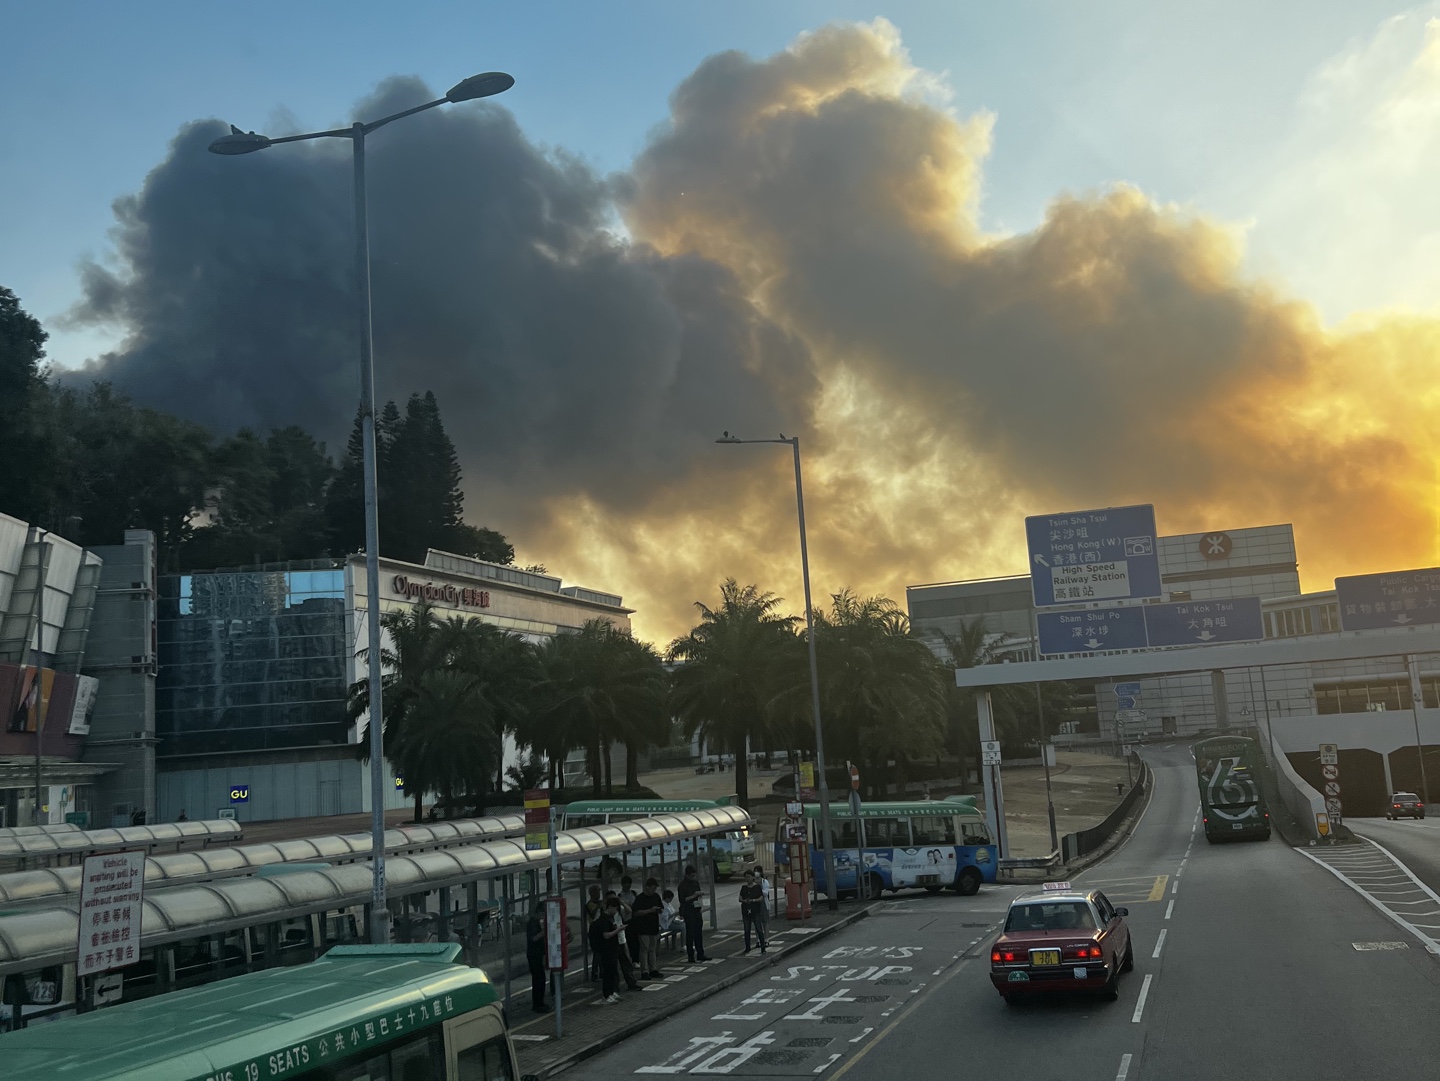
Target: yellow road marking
[[1157, 891]]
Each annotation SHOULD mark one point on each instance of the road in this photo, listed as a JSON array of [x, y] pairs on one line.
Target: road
[[1257, 975], [1415, 843]]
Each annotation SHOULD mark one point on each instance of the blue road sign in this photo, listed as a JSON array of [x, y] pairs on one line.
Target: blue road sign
[[1392, 599], [1127, 690], [1093, 555], [1125, 701], [1094, 630], [1194, 623]]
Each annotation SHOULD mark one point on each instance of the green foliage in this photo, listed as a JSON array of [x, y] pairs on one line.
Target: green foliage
[[26, 442], [421, 502], [735, 666]]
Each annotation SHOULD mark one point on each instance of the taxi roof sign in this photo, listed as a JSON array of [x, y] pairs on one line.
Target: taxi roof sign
[[1055, 886]]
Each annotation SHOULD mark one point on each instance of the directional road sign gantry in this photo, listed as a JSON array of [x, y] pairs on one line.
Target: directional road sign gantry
[[1191, 623], [1093, 555], [1091, 630], [1392, 599]]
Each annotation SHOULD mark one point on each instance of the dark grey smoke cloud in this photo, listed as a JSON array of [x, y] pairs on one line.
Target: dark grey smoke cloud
[[567, 360]]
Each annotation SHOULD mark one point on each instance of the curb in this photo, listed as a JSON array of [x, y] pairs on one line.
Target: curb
[[1119, 837], [624, 1032]]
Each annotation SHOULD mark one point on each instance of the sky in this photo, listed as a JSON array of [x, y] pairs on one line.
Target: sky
[[1275, 161]]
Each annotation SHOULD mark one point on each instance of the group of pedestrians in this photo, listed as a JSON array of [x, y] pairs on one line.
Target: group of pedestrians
[[624, 929]]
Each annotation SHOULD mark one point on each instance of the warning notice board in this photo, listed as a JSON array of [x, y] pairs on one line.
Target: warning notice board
[[112, 889]]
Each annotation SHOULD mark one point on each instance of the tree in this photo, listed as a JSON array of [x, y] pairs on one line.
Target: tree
[[26, 442], [450, 741], [421, 499], [600, 687], [732, 670], [881, 695]]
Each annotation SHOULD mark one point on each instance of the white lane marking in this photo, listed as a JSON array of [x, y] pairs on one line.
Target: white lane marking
[[827, 1063], [1429, 943], [1169, 909], [1176, 887], [1124, 1071], [863, 1033], [1144, 994], [1159, 945]]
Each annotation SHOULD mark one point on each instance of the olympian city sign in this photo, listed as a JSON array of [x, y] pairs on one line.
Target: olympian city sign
[[442, 594]]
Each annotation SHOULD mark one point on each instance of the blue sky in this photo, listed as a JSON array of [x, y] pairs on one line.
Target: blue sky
[[1200, 106]]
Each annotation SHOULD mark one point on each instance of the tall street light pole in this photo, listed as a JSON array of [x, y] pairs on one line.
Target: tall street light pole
[[239, 142], [831, 892]]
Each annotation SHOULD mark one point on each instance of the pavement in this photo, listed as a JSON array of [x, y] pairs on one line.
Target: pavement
[[588, 1026], [1251, 959]]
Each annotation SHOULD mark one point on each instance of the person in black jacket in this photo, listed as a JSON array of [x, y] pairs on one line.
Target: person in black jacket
[[645, 923], [535, 957], [752, 910], [691, 914], [604, 941]]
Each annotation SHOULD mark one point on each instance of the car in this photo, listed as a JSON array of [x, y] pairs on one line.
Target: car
[[1061, 939], [1405, 805]]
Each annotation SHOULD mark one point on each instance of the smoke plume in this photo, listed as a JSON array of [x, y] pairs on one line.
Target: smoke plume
[[797, 250]]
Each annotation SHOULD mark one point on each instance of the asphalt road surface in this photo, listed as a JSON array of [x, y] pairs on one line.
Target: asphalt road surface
[[1416, 842], [1257, 974]]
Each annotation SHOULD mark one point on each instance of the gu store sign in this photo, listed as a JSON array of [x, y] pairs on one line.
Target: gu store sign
[[440, 594]]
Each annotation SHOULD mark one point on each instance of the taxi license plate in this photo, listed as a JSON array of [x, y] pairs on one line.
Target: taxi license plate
[[1044, 957], [1019, 977]]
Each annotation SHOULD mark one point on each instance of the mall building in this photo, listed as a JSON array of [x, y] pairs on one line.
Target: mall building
[[255, 664], [77, 678], [1360, 703]]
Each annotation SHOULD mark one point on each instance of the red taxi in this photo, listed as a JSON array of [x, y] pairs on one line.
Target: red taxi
[[1061, 939]]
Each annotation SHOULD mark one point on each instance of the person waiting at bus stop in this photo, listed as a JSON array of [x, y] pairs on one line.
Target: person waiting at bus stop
[[752, 910], [694, 919], [594, 908], [605, 943], [645, 923], [535, 958]]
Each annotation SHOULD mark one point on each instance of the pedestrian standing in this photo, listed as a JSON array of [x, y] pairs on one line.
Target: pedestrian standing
[[752, 910], [622, 918], [535, 958], [627, 902], [690, 912], [594, 909], [645, 922], [604, 941]]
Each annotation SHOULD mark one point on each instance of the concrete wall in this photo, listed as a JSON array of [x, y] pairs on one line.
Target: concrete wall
[[120, 653], [1377, 754]]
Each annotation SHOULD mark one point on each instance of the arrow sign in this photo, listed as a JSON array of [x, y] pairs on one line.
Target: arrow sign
[[1093, 555], [1091, 631], [1131, 690], [1124, 702], [1190, 623], [1391, 599]]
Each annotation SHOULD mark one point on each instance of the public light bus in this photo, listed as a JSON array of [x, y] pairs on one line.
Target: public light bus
[[733, 852], [929, 844], [385, 1013]]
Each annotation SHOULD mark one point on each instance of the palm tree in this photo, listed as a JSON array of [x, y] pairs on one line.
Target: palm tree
[[881, 695], [600, 686], [450, 737], [733, 667], [496, 671]]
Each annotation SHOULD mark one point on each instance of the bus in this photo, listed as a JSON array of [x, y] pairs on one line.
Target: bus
[[929, 844], [733, 852], [376, 1012], [1231, 803]]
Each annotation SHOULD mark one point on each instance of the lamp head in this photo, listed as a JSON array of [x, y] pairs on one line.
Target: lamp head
[[727, 438], [239, 142], [485, 85]]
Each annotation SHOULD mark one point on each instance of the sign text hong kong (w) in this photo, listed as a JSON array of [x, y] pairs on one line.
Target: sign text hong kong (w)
[[1093, 555], [112, 891], [1392, 599]]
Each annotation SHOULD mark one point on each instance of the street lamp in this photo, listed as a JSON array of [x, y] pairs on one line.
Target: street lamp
[[794, 442], [242, 142]]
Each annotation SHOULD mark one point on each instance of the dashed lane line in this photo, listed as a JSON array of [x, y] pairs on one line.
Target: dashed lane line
[[1159, 944], [1124, 1070], [1169, 909], [1144, 994]]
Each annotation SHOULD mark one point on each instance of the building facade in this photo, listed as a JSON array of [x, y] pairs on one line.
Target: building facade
[[256, 664]]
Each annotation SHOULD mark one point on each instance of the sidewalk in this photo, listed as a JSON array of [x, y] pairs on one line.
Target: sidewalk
[[590, 1026]]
